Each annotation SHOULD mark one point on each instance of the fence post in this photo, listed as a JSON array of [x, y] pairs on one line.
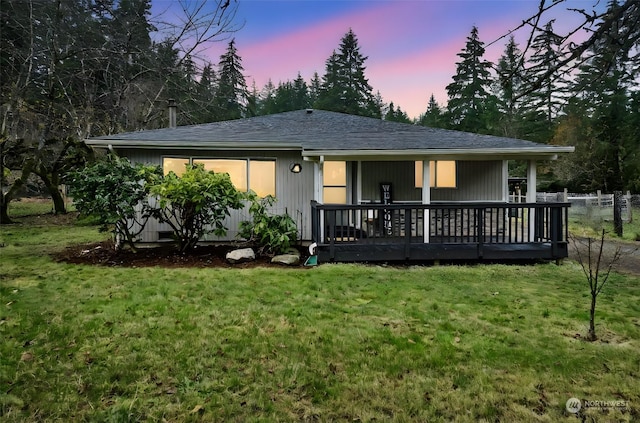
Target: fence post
[[629, 208], [565, 197], [599, 194], [617, 212]]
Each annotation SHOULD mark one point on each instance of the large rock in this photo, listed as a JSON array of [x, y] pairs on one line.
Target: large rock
[[290, 258], [241, 255]]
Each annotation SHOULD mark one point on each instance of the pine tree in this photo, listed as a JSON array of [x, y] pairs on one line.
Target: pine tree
[[510, 87], [300, 98], [546, 100], [266, 99], [344, 86], [315, 86], [231, 97], [434, 116], [396, 115], [604, 83], [469, 96]]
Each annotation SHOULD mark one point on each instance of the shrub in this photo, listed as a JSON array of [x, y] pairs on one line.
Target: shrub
[[115, 192], [272, 233], [195, 203]]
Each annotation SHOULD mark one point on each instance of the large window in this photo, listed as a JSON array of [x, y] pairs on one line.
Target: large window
[[246, 174], [176, 165], [442, 174], [237, 170], [334, 181]]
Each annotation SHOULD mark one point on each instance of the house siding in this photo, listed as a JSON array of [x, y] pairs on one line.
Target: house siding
[[293, 191], [476, 181]]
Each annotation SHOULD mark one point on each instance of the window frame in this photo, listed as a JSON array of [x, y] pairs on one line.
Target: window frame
[[433, 169], [335, 186], [195, 159]]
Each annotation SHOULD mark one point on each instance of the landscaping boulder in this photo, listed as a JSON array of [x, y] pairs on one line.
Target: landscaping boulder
[[290, 258], [241, 255]]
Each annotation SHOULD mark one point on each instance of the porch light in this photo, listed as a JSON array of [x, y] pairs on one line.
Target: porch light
[[295, 167]]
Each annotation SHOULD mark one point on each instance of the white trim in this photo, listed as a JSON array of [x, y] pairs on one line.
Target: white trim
[[531, 181], [439, 153], [426, 199], [505, 181], [185, 145], [531, 196]]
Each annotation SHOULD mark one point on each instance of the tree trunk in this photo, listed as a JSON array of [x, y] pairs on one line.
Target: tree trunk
[[51, 182], [591, 335], [8, 196], [617, 213], [58, 201], [4, 207]]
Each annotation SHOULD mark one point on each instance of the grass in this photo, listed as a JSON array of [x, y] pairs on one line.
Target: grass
[[331, 343], [589, 222]]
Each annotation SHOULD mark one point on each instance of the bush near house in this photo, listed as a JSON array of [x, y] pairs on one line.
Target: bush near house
[[195, 203], [272, 233]]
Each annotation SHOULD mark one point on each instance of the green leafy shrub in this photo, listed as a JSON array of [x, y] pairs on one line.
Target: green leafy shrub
[[114, 192], [195, 203], [272, 233]]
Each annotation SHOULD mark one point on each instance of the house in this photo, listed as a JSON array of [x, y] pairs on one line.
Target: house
[[366, 189]]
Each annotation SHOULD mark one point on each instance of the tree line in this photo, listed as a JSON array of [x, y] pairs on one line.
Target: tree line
[[79, 68]]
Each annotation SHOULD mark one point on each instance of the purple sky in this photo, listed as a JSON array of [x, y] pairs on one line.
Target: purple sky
[[411, 44]]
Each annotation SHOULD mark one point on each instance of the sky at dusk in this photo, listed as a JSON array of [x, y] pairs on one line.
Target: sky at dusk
[[411, 45]]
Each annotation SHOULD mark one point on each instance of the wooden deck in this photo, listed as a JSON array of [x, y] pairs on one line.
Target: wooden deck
[[466, 231]]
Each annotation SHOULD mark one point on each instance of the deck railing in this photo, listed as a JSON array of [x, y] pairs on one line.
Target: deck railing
[[440, 223]]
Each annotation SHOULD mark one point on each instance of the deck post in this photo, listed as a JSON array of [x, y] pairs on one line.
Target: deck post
[[426, 199], [317, 193], [531, 197]]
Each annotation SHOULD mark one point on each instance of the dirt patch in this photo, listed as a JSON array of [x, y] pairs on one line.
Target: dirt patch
[[103, 254], [629, 262]]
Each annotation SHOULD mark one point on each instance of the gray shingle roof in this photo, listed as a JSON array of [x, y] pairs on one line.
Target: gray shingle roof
[[317, 130]]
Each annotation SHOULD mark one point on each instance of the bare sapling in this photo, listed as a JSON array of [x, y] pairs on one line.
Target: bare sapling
[[597, 262]]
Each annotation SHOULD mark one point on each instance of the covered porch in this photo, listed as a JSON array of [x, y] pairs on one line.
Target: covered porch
[[435, 208], [446, 231]]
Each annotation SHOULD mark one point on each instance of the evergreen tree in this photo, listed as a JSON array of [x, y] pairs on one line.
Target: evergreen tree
[[231, 97], [205, 110], [510, 87], [300, 98], [396, 115], [469, 97], [315, 86], [434, 116], [546, 100], [267, 99], [344, 86], [609, 147]]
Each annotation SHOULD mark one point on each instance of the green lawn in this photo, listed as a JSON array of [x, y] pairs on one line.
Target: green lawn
[[330, 343]]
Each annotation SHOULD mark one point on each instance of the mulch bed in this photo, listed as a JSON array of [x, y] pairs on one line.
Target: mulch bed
[[104, 254]]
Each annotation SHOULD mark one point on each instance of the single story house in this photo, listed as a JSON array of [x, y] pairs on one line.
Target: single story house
[[366, 189]]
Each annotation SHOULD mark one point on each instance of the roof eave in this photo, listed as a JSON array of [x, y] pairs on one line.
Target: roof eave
[[203, 145], [538, 153]]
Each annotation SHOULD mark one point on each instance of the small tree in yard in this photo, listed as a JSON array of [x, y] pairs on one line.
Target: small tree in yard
[[272, 233], [597, 265], [116, 192], [195, 202]]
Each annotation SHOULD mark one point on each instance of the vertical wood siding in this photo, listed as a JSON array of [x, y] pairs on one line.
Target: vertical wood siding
[[476, 181], [293, 191], [400, 174]]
